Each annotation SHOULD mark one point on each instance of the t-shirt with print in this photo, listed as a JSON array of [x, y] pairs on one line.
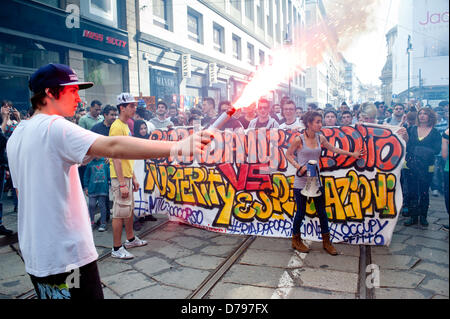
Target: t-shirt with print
[[54, 229], [297, 124], [119, 128]]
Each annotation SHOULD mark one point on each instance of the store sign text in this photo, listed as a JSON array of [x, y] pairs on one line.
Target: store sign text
[[100, 37]]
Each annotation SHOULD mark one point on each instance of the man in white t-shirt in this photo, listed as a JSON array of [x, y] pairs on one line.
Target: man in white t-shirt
[[292, 121], [54, 231]]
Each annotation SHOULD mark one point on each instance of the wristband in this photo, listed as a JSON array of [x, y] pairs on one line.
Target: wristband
[[122, 186], [298, 172]]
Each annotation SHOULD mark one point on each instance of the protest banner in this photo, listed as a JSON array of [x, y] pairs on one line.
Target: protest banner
[[244, 184]]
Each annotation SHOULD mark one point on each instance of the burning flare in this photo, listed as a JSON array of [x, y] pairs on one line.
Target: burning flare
[[343, 22]]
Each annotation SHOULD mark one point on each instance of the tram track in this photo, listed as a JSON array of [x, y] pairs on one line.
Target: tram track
[[31, 294], [365, 259], [205, 287]]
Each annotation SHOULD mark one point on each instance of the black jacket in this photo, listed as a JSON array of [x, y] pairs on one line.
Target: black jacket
[[3, 158], [421, 154]]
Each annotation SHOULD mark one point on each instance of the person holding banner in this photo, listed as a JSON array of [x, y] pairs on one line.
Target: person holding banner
[[308, 146]]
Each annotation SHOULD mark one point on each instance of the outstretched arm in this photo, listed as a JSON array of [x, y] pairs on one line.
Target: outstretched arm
[[328, 146], [127, 147]]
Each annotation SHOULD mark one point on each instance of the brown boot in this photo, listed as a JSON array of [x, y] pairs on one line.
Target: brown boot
[[298, 244], [327, 245]]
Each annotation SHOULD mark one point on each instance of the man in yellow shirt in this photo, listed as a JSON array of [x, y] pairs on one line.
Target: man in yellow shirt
[[123, 184]]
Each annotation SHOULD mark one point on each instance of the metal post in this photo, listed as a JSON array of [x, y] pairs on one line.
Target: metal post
[[327, 85], [420, 85], [289, 84], [409, 66]]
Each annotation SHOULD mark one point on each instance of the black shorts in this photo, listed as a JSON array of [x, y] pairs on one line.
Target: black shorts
[[80, 283]]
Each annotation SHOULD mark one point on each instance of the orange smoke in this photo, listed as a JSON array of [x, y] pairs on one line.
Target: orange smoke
[[345, 21]]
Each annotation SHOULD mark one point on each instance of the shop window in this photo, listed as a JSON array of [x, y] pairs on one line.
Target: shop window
[[52, 3], [14, 88], [107, 75], [28, 53], [102, 11], [236, 47], [195, 21], [218, 38]]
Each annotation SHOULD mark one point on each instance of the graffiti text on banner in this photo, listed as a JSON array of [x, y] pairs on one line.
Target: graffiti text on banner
[[244, 184]]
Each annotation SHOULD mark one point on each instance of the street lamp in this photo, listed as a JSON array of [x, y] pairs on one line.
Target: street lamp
[[288, 43], [408, 50]]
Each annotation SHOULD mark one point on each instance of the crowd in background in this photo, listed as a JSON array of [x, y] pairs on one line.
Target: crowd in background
[[426, 127]]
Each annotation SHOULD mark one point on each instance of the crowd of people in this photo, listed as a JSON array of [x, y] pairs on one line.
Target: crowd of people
[[41, 157], [425, 140]]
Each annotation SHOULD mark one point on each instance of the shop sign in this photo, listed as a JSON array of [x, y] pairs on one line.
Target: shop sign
[[186, 65], [101, 38], [212, 68]]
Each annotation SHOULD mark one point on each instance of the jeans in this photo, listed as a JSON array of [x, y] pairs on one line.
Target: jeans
[[404, 183], [436, 183], [2, 183], [101, 200], [319, 203], [446, 189], [419, 181]]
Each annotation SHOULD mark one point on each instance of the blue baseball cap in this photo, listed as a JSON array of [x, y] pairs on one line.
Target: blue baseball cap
[[54, 75]]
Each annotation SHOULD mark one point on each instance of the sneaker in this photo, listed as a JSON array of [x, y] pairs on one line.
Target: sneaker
[[411, 221], [435, 193], [446, 227], [102, 227], [122, 253], [423, 221], [5, 231], [150, 218], [135, 243]]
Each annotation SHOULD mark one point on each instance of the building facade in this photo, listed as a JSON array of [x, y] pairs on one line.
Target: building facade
[[91, 37], [190, 50], [420, 54], [386, 73]]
